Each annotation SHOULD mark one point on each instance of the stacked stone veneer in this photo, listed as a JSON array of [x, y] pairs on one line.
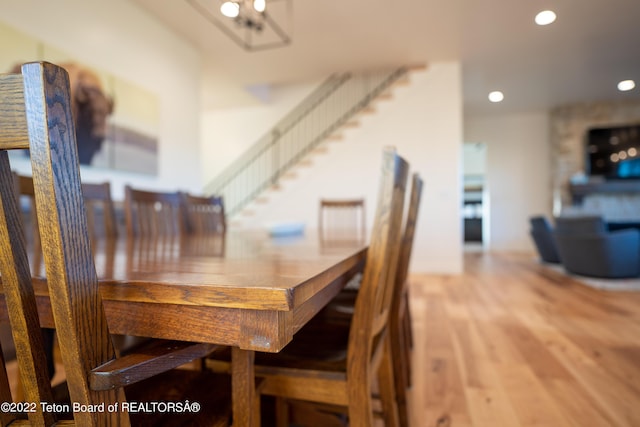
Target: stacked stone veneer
[[569, 126]]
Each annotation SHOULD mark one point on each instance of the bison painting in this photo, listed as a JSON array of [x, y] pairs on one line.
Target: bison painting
[[90, 106]]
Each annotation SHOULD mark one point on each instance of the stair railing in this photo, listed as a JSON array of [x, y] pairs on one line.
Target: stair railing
[[317, 117]]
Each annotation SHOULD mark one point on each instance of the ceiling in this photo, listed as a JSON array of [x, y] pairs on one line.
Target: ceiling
[[581, 57]]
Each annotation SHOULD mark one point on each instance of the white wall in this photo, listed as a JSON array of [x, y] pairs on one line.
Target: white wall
[[120, 38], [424, 122], [518, 174], [228, 133]]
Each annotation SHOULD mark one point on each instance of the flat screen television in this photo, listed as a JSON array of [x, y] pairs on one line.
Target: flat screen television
[[614, 152]]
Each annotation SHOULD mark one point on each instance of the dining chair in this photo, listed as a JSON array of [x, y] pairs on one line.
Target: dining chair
[[340, 310], [35, 114], [204, 215], [400, 324], [94, 195], [337, 370], [153, 213], [101, 213], [98, 203], [342, 220], [102, 224]]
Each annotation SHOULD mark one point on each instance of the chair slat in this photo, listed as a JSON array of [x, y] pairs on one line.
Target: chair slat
[[13, 120], [21, 302], [69, 264]]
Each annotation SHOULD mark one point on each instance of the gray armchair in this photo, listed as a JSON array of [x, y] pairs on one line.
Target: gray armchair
[[586, 248], [542, 235], [581, 224]]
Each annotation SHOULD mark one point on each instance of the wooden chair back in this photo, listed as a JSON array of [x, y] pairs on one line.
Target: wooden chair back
[[341, 220], [36, 114], [101, 212], [204, 215], [400, 318], [151, 213], [367, 335], [100, 209]]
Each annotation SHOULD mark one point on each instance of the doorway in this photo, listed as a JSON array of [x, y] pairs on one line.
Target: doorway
[[475, 200]]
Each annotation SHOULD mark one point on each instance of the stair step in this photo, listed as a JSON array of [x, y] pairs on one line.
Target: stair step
[[367, 110], [306, 162], [402, 81], [323, 149], [289, 175], [261, 200], [384, 96], [351, 124], [335, 137], [248, 212], [417, 67]]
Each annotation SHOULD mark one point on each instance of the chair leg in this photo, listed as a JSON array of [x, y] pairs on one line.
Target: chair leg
[[408, 346], [407, 327], [256, 419], [360, 400], [387, 386], [282, 412], [399, 346], [407, 319], [47, 342]]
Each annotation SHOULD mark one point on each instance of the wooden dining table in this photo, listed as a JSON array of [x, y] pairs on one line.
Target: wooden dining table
[[246, 290]]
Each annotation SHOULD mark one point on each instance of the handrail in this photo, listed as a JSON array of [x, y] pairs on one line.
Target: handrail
[[326, 109]]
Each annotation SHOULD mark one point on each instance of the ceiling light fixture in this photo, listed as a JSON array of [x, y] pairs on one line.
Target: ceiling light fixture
[[259, 5], [496, 96], [252, 24], [626, 85], [230, 9], [545, 17]]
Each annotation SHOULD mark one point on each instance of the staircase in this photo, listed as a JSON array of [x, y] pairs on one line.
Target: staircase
[[333, 106]]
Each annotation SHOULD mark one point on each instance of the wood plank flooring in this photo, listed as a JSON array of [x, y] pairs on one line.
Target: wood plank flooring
[[509, 343]]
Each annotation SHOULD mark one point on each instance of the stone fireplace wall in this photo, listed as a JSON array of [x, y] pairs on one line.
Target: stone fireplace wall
[[569, 125]]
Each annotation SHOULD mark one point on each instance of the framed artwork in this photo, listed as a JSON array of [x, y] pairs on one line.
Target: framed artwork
[[116, 121]]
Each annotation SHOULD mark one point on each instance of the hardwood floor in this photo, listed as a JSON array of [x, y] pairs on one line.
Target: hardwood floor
[[509, 343]]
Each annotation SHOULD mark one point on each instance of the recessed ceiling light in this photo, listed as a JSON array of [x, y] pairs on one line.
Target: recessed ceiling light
[[626, 85], [496, 96], [545, 17]]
